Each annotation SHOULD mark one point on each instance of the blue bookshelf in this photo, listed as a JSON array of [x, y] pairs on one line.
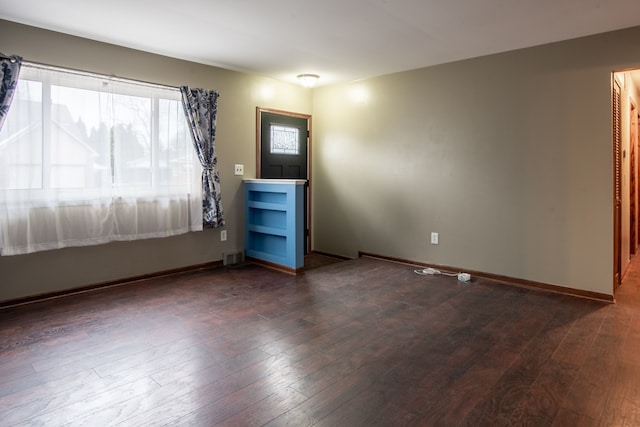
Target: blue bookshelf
[[274, 222]]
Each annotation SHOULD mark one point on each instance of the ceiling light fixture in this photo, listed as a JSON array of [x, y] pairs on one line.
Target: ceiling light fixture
[[308, 80]]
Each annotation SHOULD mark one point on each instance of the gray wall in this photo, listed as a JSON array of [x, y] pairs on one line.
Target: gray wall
[[507, 156], [52, 271]]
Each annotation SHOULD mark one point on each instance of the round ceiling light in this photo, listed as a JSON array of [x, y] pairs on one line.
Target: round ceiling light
[[308, 80]]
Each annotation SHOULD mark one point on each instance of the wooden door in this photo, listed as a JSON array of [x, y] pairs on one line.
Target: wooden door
[[283, 145], [617, 183]]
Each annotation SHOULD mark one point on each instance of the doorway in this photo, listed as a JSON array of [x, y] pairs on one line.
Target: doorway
[[283, 146], [625, 90]]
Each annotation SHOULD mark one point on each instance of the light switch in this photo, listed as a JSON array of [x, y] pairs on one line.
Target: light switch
[[238, 170]]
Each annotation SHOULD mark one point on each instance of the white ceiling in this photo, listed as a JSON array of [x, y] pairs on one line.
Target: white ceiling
[[341, 40]]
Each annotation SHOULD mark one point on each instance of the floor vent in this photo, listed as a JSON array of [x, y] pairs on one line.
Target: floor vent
[[233, 258]]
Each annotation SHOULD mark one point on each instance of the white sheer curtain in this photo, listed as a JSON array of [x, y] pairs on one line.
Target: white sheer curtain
[[87, 159]]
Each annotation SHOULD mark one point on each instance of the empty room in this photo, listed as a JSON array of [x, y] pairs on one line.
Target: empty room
[[419, 213]]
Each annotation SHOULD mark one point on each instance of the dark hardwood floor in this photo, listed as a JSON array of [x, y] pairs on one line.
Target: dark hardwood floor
[[355, 343]]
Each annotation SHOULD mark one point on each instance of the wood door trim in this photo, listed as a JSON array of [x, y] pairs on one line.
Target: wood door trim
[[633, 181], [260, 110]]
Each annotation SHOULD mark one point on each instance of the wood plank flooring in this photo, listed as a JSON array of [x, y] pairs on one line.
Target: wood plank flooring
[[356, 343]]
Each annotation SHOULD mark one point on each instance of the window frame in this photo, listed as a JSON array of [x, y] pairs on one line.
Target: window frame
[[101, 84]]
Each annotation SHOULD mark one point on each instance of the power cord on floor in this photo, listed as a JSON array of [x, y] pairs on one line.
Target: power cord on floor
[[462, 277]]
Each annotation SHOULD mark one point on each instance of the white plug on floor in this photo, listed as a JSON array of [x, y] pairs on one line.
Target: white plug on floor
[[464, 277]]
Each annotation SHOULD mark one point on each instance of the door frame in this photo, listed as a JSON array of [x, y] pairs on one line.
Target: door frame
[[259, 111], [633, 185]]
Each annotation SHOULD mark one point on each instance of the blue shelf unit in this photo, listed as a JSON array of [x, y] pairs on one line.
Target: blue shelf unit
[[275, 222]]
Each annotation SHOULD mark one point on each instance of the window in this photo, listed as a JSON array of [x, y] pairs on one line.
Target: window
[[87, 159], [284, 140]]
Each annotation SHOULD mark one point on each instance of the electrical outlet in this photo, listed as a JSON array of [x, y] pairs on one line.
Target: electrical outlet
[[434, 238], [238, 170], [223, 235]]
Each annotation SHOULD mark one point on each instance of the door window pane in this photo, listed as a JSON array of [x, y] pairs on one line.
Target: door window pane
[[284, 140]]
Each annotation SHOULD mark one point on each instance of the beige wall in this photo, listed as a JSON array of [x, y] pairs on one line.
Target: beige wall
[[507, 156], [240, 95]]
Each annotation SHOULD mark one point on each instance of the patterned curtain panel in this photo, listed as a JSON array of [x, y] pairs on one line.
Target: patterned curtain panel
[[9, 70], [201, 108]]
